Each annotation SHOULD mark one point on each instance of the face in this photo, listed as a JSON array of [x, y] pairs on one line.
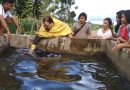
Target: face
[[8, 6], [82, 19], [123, 19], [47, 25], [105, 24]]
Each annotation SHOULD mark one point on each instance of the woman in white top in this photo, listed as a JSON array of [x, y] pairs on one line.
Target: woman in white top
[[106, 30]]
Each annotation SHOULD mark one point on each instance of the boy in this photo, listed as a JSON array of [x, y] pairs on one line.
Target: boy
[[5, 15]]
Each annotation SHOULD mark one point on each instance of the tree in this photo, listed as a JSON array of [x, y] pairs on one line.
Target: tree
[[34, 9], [62, 9], [23, 8]]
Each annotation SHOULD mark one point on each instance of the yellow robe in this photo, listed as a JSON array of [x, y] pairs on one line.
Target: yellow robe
[[58, 29]]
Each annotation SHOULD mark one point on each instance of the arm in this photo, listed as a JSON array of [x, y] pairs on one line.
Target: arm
[[16, 24], [89, 30], [122, 40], [4, 24]]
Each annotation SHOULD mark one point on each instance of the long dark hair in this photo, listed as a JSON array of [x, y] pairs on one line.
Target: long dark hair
[[48, 19], [117, 26], [127, 16], [8, 1], [109, 22]]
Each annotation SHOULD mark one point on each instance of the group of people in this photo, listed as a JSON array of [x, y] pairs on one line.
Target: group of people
[[52, 27], [122, 30]]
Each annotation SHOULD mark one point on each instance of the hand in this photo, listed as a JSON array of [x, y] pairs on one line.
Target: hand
[[117, 42], [9, 36], [18, 31], [70, 36]]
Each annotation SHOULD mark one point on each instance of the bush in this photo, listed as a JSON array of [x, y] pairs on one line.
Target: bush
[[12, 28], [27, 25]]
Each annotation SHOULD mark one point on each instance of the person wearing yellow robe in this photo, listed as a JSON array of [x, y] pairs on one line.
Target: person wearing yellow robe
[[51, 27]]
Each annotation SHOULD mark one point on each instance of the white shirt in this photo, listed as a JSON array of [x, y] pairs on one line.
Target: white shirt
[[103, 35], [5, 14]]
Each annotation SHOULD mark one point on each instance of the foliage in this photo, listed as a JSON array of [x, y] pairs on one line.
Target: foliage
[[26, 25], [95, 27], [36, 8], [21, 8], [63, 12]]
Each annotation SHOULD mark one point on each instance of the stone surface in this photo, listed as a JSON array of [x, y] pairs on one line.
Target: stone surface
[[3, 43], [121, 59], [20, 41], [72, 45]]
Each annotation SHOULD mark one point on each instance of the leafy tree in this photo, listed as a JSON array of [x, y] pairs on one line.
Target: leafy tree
[[36, 8], [61, 9], [23, 8]]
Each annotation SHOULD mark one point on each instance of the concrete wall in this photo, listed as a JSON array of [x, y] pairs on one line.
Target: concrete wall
[[3, 43], [20, 41], [80, 46], [121, 59], [61, 45]]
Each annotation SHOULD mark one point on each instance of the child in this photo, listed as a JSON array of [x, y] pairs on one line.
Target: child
[[5, 15]]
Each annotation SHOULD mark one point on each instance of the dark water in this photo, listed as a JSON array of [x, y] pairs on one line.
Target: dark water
[[21, 71]]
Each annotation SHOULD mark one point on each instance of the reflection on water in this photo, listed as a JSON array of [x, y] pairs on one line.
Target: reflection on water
[[21, 71]]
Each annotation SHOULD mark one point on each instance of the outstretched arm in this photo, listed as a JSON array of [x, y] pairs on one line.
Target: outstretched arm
[[16, 24]]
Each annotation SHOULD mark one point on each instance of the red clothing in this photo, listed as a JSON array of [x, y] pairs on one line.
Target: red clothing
[[123, 32]]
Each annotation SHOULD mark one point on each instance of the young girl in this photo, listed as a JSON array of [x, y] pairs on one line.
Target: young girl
[[105, 31]]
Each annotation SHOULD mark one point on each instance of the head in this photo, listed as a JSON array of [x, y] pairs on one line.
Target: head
[[48, 21], [126, 17], [107, 23], [8, 4], [118, 16], [82, 17]]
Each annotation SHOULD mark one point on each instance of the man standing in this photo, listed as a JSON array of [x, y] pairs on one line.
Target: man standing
[[5, 15]]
